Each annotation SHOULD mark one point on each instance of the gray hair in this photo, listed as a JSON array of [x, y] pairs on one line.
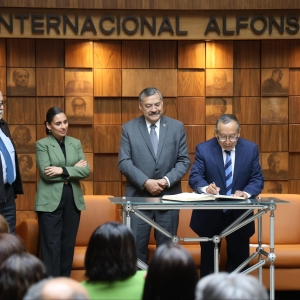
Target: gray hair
[[149, 91], [227, 118], [223, 286]]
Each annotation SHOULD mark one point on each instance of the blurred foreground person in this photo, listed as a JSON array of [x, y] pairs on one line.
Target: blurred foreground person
[[110, 264], [223, 286], [172, 274]]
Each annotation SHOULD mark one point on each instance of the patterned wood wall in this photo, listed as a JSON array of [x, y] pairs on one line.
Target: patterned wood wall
[[182, 71]]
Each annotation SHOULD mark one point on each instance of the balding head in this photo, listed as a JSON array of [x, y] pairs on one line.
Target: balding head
[[60, 288]]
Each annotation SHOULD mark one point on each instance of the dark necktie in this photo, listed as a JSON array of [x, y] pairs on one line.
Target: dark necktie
[[9, 165], [228, 172], [153, 138]]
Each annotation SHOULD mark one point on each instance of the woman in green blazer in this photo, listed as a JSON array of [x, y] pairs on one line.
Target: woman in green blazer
[[59, 199]]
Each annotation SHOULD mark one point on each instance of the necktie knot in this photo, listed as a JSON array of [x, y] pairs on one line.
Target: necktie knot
[[153, 126], [227, 152]]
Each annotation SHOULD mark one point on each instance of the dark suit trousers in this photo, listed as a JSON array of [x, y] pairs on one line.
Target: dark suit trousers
[[8, 208], [237, 248], [58, 230], [168, 219]]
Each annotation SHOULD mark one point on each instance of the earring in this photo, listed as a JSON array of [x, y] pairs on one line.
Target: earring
[[49, 130]]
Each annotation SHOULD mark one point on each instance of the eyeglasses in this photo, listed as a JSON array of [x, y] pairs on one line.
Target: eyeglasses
[[4, 102], [224, 138]]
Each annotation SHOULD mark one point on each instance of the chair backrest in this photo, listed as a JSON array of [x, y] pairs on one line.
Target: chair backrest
[[287, 221], [98, 210]]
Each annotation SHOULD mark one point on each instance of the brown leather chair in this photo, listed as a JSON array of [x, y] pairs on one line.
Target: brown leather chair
[[99, 210]]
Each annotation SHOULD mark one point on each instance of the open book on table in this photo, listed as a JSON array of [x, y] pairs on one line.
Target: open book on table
[[185, 197]]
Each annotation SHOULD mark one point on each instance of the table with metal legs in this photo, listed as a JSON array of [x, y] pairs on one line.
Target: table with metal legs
[[262, 205]]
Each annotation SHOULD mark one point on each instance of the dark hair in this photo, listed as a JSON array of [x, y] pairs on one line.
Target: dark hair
[[111, 253], [10, 244], [29, 160], [4, 227], [18, 273], [149, 91], [227, 118], [16, 131], [172, 274], [51, 113]]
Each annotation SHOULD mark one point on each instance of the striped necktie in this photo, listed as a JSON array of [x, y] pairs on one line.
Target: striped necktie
[[8, 161], [153, 138], [228, 172]]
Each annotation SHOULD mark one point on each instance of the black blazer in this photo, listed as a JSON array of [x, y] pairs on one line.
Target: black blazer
[[17, 184]]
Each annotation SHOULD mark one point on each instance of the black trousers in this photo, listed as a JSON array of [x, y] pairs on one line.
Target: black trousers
[[8, 208], [168, 219], [237, 248], [58, 230]]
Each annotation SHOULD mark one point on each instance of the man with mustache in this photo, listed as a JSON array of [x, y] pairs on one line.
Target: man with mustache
[[153, 156]]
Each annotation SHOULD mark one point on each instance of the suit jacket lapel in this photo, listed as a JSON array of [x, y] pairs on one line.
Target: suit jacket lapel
[[239, 157], [218, 154], [69, 152], [162, 134], [56, 149], [145, 134]]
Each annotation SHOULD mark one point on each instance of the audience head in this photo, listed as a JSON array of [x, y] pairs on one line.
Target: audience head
[[59, 288], [4, 227], [18, 273], [10, 244], [172, 274], [111, 253], [223, 286]]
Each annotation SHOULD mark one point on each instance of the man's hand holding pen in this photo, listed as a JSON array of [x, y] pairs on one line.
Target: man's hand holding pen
[[212, 189]]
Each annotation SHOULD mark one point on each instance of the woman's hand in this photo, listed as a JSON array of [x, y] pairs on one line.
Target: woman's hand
[[82, 163], [53, 171]]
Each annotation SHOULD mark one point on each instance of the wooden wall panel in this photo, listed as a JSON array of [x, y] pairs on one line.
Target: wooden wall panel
[[294, 109], [107, 83], [90, 159], [274, 54], [87, 187], [3, 80], [294, 163], [109, 168], [50, 82], [274, 138], [219, 54], [294, 87], [78, 54], [246, 82], [209, 132], [135, 54], [185, 187], [107, 138], [107, 54], [134, 81], [130, 109], [21, 53], [294, 54], [195, 134], [108, 188], [191, 110], [21, 112], [26, 201], [170, 107], [40, 132], [50, 53], [246, 54], [294, 186], [44, 103], [85, 134], [294, 137], [23, 215], [190, 83], [247, 109], [251, 133], [2, 52], [163, 54], [107, 111], [191, 54]]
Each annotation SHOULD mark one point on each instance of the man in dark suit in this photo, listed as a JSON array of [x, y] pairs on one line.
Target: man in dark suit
[[154, 157], [244, 180], [10, 179]]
